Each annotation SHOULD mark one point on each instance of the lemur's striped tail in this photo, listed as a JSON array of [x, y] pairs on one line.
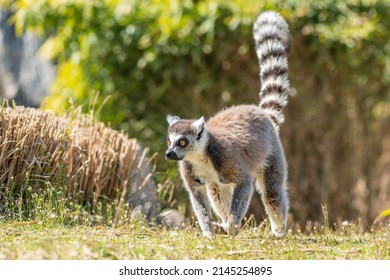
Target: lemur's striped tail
[[273, 40]]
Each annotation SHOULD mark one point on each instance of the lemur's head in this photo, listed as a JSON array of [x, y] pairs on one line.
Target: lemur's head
[[184, 137]]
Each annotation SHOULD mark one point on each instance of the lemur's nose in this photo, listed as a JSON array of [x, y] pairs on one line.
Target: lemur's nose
[[169, 154]]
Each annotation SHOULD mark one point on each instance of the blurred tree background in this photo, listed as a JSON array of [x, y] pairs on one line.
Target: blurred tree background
[[141, 59]]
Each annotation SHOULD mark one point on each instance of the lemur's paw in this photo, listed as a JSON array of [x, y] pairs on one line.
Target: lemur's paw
[[278, 233], [233, 229], [208, 235], [220, 226], [230, 228]]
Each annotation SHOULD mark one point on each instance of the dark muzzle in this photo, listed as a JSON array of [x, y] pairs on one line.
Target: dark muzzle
[[171, 155]]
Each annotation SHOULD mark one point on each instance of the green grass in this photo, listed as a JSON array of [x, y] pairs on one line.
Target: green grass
[[31, 240], [46, 223], [50, 225]]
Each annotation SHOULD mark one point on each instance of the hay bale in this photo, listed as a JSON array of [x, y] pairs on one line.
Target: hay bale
[[87, 158]]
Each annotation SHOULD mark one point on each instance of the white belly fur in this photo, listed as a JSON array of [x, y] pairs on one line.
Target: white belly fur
[[218, 194]]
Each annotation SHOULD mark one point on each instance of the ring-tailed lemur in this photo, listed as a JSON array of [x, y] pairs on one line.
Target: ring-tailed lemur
[[222, 160]]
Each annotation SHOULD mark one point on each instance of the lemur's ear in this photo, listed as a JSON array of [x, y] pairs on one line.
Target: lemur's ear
[[172, 119], [198, 125]]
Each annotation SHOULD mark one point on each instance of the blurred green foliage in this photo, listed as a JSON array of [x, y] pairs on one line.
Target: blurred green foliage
[[191, 58], [158, 56], [140, 53]]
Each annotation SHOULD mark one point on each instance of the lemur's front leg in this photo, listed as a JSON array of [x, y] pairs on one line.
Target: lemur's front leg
[[202, 211], [197, 192]]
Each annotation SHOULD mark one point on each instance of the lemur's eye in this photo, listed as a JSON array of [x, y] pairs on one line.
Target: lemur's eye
[[182, 143], [169, 143]]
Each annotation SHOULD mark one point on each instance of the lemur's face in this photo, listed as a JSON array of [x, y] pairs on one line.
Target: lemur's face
[[183, 137], [179, 145]]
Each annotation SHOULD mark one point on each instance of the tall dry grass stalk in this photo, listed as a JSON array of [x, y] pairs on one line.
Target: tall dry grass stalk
[[87, 159]]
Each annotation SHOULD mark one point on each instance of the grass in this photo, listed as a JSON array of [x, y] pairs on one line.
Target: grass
[[32, 240], [50, 225]]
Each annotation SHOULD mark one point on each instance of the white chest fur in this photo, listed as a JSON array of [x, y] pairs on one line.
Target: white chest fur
[[204, 169], [219, 194]]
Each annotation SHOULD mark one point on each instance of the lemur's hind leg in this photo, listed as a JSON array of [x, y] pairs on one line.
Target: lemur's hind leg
[[231, 211], [272, 186], [240, 202]]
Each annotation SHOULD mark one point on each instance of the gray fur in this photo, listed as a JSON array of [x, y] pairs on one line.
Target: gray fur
[[223, 159], [172, 119]]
